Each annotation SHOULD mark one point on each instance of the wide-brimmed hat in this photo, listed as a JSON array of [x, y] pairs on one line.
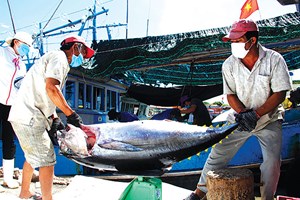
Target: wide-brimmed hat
[[240, 28], [89, 51], [22, 36], [183, 99]]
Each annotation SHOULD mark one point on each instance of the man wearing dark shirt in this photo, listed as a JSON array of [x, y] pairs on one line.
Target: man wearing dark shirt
[[197, 108]]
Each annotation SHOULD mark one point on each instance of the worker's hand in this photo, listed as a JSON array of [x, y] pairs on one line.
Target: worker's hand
[[56, 126], [247, 120], [74, 119]]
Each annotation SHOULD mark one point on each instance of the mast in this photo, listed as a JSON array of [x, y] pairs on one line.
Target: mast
[[40, 40], [70, 24], [147, 27], [95, 24], [127, 21]]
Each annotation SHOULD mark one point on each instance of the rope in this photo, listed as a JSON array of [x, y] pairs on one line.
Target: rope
[[52, 15], [190, 76], [11, 17]]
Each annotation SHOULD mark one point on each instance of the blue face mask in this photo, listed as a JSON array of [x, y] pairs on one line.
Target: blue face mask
[[23, 49], [76, 60]]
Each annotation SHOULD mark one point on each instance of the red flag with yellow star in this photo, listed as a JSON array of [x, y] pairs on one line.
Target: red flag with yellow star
[[248, 8]]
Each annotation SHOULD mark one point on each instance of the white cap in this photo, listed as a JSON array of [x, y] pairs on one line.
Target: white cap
[[22, 36]]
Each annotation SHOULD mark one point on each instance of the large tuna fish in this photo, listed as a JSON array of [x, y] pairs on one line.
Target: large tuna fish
[[137, 146]]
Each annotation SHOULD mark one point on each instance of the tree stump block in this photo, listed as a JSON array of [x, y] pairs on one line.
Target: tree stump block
[[230, 184]]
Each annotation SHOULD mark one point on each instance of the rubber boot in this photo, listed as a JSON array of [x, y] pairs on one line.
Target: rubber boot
[[8, 172]]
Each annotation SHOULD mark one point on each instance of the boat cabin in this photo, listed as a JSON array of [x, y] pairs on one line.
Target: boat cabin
[[92, 98]]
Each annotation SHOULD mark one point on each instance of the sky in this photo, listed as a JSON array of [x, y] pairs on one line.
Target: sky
[[163, 16]]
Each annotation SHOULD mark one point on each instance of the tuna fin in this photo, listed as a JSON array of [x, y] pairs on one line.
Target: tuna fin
[[118, 145]]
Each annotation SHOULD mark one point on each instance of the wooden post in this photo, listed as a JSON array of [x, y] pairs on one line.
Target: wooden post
[[229, 184]]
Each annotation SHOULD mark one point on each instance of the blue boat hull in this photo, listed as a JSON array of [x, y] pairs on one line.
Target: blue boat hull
[[250, 152]]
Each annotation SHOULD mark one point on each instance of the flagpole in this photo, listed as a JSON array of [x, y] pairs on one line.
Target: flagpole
[[259, 12]]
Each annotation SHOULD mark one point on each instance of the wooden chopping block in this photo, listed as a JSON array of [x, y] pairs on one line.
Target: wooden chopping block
[[229, 184]]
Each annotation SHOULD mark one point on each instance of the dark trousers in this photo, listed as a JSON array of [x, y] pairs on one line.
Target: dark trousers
[[8, 145]]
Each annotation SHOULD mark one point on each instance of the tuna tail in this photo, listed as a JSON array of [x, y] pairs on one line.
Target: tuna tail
[[217, 134], [222, 132]]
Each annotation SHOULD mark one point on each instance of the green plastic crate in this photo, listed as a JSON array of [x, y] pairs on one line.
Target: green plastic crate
[[144, 188]]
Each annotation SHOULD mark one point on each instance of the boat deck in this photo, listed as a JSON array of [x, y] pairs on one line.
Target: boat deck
[[83, 187]]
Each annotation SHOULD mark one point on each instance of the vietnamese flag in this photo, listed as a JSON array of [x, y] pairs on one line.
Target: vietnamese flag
[[248, 8]]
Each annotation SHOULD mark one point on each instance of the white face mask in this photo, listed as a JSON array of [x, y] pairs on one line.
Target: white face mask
[[238, 49]]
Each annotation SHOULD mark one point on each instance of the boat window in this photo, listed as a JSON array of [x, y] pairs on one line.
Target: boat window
[[70, 93], [131, 108], [98, 102], [81, 95], [142, 110], [114, 99], [128, 107], [136, 110], [124, 106], [88, 103], [111, 102]]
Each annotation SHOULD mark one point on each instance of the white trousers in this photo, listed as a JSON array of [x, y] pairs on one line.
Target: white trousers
[[269, 138]]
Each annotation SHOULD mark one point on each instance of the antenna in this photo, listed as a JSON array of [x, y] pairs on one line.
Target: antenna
[[148, 18]]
